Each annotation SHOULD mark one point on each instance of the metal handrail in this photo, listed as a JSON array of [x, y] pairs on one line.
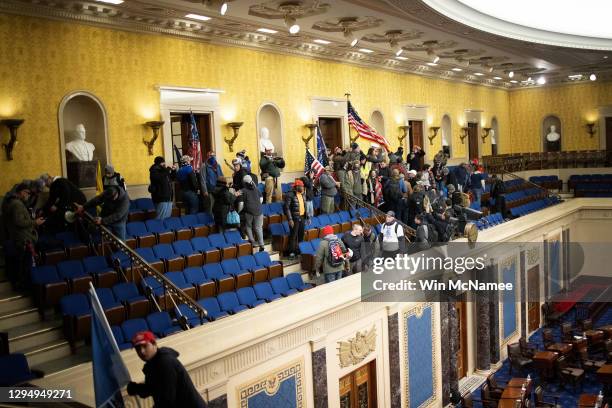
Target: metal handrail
[[514, 176], [138, 261], [409, 232]]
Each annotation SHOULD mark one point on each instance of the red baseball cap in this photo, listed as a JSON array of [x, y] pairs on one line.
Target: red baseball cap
[[298, 182], [142, 338], [327, 230]]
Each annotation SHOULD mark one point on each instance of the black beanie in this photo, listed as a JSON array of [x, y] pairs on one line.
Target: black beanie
[[159, 160]]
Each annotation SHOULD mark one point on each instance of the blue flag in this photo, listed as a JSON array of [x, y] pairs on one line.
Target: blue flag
[[109, 372], [194, 144], [321, 149]]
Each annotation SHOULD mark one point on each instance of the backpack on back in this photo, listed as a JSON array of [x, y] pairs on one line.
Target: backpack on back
[[335, 257]]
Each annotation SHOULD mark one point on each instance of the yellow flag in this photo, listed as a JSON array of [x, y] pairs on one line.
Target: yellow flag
[[99, 186]]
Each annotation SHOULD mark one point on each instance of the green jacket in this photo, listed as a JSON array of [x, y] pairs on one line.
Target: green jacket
[[266, 164], [346, 182], [322, 254], [20, 225]]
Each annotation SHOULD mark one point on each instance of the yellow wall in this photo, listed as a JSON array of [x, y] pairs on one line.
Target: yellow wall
[[45, 60], [574, 104]]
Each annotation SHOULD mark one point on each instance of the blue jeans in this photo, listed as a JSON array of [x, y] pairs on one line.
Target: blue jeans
[[477, 194], [191, 202], [309, 209], [163, 210], [119, 230], [330, 277]]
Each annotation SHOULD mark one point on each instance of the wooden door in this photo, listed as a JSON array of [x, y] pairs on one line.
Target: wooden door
[[461, 308], [415, 137], [181, 139], [473, 141], [358, 389], [331, 129], [609, 139], [533, 298]]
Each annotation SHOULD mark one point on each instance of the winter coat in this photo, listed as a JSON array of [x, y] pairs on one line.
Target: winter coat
[[251, 199], [346, 181], [161, 184], [328, 185], [323, 252], [237, 178], [223, 203], [19, 223], [188, 179], [62, 194], [268, 166], [113, 211], [414, 158], [167, 381], [213, 172], [291, 205]]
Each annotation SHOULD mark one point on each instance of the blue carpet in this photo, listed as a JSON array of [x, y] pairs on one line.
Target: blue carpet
[[566, 396]]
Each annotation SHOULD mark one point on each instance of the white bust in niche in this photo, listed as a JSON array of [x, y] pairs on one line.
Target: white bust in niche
[[264, 140], [79, 148], [553, 136], [492, 134], [444, 139]]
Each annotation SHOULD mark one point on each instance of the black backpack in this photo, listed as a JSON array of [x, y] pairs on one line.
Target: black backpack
[[335, 256], [432, 233]]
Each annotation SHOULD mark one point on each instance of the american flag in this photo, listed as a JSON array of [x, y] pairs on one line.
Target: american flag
[[194, 145], [321, 149], [363, 129], [312, 164]]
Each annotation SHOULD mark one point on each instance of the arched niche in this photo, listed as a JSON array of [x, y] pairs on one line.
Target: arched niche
[[447, 136], [83, 108], [377, 121], [494, 136], [269, 116], [552, 137]]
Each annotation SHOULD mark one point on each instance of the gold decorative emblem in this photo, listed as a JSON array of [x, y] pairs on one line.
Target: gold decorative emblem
[[533, 255], [358, 348], [272, 385]]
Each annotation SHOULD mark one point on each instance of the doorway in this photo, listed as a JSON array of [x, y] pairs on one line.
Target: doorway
[[608, 140], [462, 360], [533, 298], [415, 138], [358, 389], [331, 130], [473, 141], [180, 127]]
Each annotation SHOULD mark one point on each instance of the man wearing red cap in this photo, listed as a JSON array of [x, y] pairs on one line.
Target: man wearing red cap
[[166, 379], [295, 210], [330, 255]]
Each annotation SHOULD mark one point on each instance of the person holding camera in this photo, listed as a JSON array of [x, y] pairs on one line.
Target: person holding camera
[[161, 176], [295, 210], [271, 167], [115, 204]]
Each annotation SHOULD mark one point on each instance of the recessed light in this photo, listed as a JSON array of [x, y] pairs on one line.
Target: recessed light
[[498, 78], [197, 17], [514, 81], [399, 52], [432, 64], [224, 7], [541, 80], [110, 1], [354, 42], [324, 42], [605, 57], [593, 77], [529, 79], [478, 73], [511, 74], [457, 69], [575, 77], [401, 58], [267, 31], [366, 50]]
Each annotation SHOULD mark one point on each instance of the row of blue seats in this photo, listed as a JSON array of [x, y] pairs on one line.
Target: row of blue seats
[[595, 194], [604, 187], [533, 206], [518, 195], [489, 221], [543, 179], [595, 178]]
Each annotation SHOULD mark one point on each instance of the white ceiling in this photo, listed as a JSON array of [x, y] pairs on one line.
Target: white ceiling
[[463, 50]]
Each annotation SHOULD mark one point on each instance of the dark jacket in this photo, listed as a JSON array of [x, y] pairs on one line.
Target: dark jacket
[[167, 381], [414, 158], [223, 204], [113, 211], [354, 244], [237, 178], [251, 197], [268, 166], [161, 185], [62, 194], [19, 223], [291, 206], [461, 175], [308, 188], [392, 192], [114, 180], [328, 185], [188, 179], [213, 172]]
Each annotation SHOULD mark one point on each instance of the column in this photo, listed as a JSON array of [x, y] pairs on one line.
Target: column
[[394, 361], [319, 380]]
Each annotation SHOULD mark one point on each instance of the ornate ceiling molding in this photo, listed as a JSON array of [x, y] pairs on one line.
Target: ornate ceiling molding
[[294, 8], [342, 24]]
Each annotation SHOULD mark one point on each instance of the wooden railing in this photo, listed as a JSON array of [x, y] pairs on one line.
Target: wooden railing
[[140, 265], [547, 160]]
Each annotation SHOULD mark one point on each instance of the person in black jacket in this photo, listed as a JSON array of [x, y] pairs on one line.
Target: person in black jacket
[[161, 176], [115, 204], [190, 185], [309, 192], [62, 195], [239, 173], [223, 203], [354, 240], [112, 178], [415, 158], [249, 204], [166, 379], [295, 210]]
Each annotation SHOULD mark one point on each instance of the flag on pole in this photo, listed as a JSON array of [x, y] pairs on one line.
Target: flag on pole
[[178, 154], [99, 185], [321, 149], [363, 129], [312, 164], [194, 144], [110, 374]]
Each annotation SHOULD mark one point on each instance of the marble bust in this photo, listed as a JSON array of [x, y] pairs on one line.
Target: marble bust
[[264, 140], [492, 134], [553, 136], [79, 148]]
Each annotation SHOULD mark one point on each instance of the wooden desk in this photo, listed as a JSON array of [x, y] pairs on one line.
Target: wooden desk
[[607, 330], [587, 401], [594, 336], [579, 343], [511, 394], [544, 362], [561, 348], [518, 383], [604, 374]]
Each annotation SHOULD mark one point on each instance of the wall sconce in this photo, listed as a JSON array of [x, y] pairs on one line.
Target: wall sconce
[[434, 132], [235, 127], [12, 125], [463, 134], [404, 133], [155, 125], [591, 128], [485, 133], [312, 127]]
